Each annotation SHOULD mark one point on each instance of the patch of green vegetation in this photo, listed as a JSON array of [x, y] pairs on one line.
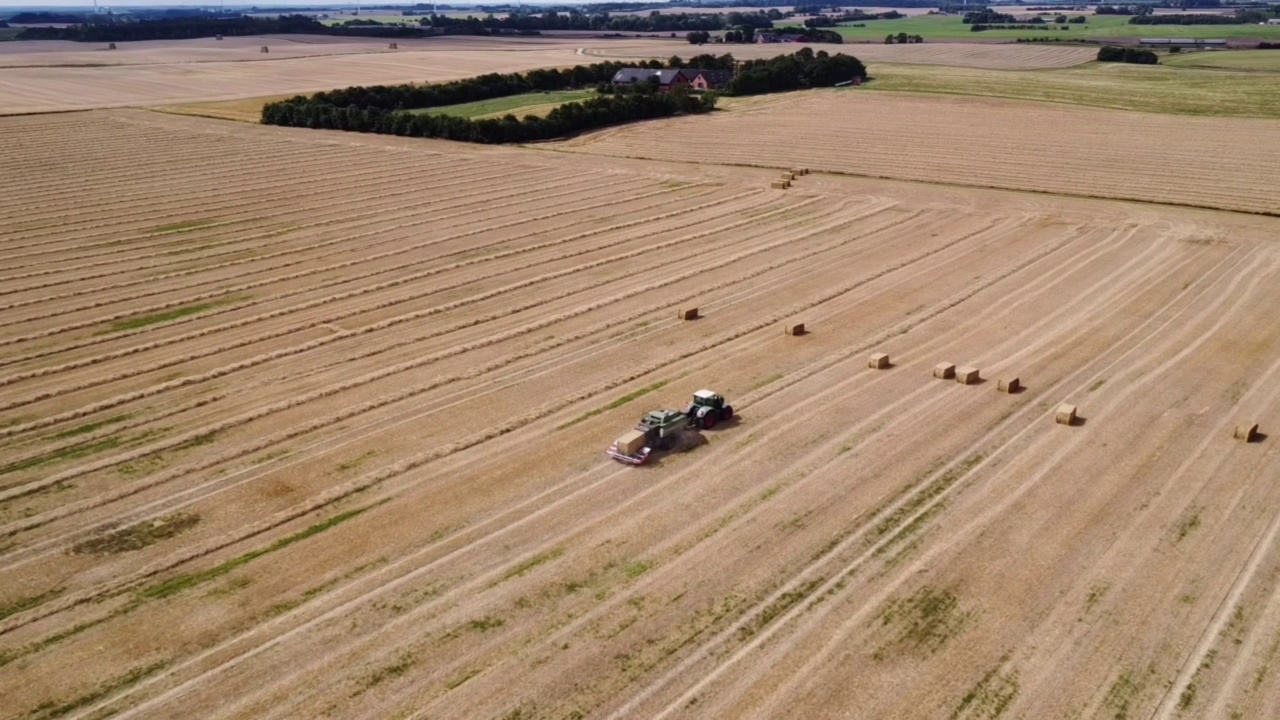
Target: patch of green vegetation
[[989, 697], [383, 674], [523, 568], [180, 227], [1123, 695], [617, 403], [1188, 523], [1187, 697], [1121, 86], [929, 492], [24, 604], [48, 710], [784, 602], [1096, 593], [536, 103], [1097, 385], [485, 624], [141, 321], [70, 453], [637, 568], [356, 462], [185, 582], [925, 621], [142, 466], [288, 605], [912, 527], [90, 427], [1255, 60], [136, 537]]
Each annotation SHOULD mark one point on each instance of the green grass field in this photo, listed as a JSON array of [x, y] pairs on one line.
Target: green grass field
[[1147, 88], [1255, 60], [950, 27], [529, 103]]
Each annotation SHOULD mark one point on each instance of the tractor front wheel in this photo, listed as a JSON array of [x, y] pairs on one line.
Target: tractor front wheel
[[726, 412]]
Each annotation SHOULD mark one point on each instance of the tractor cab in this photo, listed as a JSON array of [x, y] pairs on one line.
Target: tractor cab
[[708, 408], [708, 398]]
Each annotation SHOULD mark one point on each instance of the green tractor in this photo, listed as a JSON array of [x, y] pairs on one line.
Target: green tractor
[[708, 409]]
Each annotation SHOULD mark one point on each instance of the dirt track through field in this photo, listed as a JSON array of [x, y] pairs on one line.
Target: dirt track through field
[[280, 447]]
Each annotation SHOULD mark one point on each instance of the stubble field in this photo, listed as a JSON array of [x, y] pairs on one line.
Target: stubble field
[[986, 142], [304, 424], [56, 76]]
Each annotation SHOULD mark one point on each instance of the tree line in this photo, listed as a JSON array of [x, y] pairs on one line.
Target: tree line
[[603, 21], [184, 28], [398, 109], [1110, 53], [1247, 17], [850, 16], [565, 120]]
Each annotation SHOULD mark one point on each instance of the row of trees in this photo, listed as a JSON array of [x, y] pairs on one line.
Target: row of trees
[[1040, 26], [1239, 17], [483, 87], [850, 16], [179, 29], [565, 120], [1110, 53], [603, 21], [902, 39], [386, 109], [748, 35]]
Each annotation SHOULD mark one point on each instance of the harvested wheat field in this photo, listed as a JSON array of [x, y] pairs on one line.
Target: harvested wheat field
[[1199, 161], [55, 75], [305, 424]]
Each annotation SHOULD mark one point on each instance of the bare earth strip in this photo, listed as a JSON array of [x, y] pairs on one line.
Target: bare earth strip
[[303, 424], [1209, 162], [73, 76]]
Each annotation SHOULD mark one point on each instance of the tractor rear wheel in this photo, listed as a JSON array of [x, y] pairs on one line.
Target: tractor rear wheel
[[708, 421]]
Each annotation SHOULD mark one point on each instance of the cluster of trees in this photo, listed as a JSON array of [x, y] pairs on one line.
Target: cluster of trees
[[806, 34], [565, 120], [987, 16], [1110, 53], [902, 39], [386, 109], [804, 69], [850, 16]]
